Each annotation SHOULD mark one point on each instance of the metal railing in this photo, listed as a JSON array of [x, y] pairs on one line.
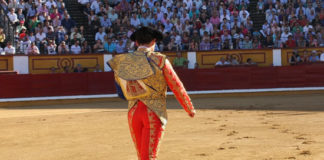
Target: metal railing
[[8, 27]]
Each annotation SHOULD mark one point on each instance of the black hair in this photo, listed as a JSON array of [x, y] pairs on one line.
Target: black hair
[[145, 35]]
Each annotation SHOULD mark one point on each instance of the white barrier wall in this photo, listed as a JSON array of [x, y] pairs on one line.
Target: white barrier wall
[[276, 53], [21, 64], [192, 59]]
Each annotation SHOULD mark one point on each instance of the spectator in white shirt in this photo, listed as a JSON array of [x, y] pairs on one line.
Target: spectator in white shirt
[[113, 16], [135, 21], [32, 37], [188, 3], [32, 49], [76, 49], [244, 11], [50, 4], [307, 27], [95, 6], [13, 16], [164, 8], [100, 35], [284, 36], [322, 57], [105, 21], [226, 16], [40, 38], [9, 49], [51, 48]]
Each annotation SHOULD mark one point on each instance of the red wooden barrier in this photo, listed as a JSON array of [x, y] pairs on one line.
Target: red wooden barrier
[[194, 80]]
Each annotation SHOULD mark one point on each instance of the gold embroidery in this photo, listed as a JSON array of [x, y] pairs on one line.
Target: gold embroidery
[[130, 124], [157, 58], [131, 66], [178, 88], [155, 138]]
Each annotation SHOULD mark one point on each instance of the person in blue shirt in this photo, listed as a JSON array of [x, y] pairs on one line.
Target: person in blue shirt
[[145, 20], [313, 57], [109, 46], [121, 46]]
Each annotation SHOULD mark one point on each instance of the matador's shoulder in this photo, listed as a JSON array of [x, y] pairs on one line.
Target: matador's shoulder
[[114, 62], [158, 58]]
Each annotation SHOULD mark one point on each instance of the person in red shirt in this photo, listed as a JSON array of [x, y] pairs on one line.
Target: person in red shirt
[[22, 35], [290, 43]]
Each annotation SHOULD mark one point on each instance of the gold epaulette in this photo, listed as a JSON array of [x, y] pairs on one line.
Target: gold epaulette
[[157, 58], [131, 66]]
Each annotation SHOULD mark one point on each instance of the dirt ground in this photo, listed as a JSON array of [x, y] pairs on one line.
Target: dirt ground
[[225, 128]]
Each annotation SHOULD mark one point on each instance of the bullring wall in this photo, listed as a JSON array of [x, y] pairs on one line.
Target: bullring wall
[[221, 78], [42, 64]]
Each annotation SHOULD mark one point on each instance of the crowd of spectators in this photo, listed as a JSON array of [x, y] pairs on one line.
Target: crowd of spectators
[[42, 26], [305, 57], [186, 25], [45, 26], [207, 24], [297, 23]]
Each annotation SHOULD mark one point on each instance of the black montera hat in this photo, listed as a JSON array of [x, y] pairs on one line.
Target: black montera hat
[[145, 35]]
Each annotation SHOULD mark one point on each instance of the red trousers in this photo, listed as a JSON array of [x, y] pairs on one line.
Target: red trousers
[[146, 130]]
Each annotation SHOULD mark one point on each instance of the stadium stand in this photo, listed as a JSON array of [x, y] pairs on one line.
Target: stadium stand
[[104, 26]]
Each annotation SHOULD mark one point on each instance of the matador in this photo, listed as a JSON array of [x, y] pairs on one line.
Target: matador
[[142, 78]]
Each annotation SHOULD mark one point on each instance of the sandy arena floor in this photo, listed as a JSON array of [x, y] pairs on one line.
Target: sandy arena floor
[[289, 127]]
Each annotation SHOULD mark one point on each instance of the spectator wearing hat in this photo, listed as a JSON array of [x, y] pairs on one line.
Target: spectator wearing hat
[[20, 26], [22, 34]]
